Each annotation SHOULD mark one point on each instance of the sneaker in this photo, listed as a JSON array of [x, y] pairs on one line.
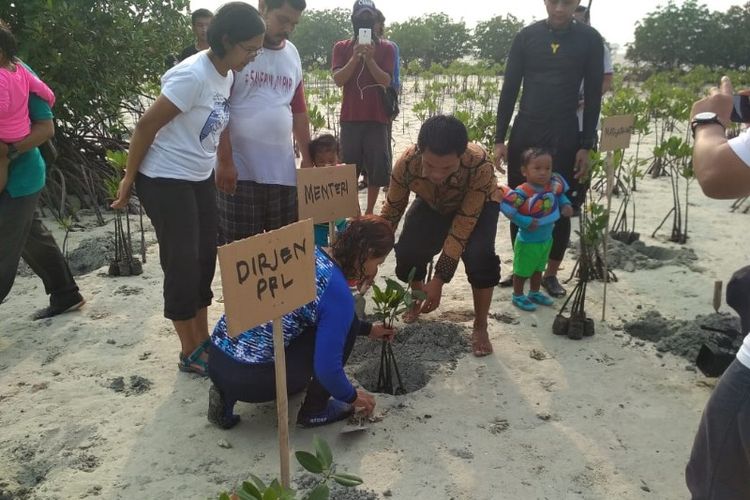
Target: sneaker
[[335, 411], [553, 286], [522, 302], [219, 412], [541, 299], [76, 302]]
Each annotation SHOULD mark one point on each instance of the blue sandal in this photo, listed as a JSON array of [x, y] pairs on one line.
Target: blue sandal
[[193, 363], [540, 298], [522, 302]]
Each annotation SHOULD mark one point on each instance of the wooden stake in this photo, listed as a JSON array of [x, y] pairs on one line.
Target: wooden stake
[[331, 233], [609, 164], [718, 288], [282, 401]]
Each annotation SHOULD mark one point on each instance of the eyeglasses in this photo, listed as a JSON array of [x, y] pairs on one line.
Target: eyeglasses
[[252, 50]]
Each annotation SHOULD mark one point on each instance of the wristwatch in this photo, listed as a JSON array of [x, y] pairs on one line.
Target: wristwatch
[[12, 152], [705, 118]]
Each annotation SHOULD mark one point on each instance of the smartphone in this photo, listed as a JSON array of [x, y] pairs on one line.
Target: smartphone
[[741, 109], [365, 36]]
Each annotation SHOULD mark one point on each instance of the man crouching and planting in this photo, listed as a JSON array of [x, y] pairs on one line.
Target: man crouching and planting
[[452, 214]]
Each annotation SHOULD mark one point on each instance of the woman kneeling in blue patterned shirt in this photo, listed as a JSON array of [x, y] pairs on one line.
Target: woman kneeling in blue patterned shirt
[[318, 338]]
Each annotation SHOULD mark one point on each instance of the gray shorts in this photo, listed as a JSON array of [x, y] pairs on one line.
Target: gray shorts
[[365, 144], [719, 467]]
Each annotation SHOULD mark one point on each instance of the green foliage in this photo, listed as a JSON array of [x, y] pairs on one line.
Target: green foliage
[[395, 299], [97, 54], [317, 32], [432, 38], [103, 60], [690, 34], [321, 464], [595, 224], [493, 38], [317, 119]]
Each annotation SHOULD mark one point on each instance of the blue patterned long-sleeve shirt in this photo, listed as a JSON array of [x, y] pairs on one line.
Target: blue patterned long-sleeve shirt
[[331, 313]]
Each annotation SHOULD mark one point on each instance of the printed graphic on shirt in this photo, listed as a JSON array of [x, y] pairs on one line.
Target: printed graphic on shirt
[[283, 84], [255, 346], [215, 124]]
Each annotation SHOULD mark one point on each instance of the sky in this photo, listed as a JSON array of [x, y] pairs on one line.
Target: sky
[[615, 19]]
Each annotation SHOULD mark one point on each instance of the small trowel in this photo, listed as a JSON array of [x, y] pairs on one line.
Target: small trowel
[[355, 424]]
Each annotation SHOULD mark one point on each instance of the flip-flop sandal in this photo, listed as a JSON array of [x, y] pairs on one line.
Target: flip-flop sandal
[[193, 363]]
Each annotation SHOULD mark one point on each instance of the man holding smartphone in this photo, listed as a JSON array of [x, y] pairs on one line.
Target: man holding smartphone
[[721, 165], [719, 466], [364, 67]]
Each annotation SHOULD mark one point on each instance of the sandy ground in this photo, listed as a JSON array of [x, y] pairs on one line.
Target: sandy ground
[[91, 403]]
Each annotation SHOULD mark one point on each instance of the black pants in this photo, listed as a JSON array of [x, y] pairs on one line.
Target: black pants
[[24, 235], [719, 467], [563, 140], [184, 217], [257, 383], [423, 236]]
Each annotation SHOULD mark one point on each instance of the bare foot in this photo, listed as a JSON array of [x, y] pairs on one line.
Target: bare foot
[[412, 314], [480, 343]]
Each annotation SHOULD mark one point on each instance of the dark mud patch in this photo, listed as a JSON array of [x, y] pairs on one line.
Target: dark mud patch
[[137, 385], [92, 254], [638, 256], [680, 337], [421, 350]]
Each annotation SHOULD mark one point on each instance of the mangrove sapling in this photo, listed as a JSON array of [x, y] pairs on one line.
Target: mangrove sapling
[[669, 105], [124, 263], [738, 204], [391, 302], [320, 464], [677, 156], [578, 325], [593, 221], [317, 120]]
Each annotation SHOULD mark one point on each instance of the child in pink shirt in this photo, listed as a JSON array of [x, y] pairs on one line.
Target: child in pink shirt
[[16, 83]]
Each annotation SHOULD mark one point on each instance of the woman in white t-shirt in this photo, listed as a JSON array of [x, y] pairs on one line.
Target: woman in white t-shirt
[[171, 161]]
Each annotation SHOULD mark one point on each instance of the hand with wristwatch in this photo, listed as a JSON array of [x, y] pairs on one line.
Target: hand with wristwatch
[[705, 118]]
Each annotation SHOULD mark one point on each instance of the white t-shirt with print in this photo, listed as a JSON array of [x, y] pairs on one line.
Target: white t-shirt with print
[[261, 124], [185, 148]]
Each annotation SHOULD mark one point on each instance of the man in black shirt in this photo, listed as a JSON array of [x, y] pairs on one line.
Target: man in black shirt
[[552, 58], [201, 18]]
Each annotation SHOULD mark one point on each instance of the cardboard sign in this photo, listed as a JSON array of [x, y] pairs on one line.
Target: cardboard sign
[[325, 194], [616, 132], [268, 275]]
